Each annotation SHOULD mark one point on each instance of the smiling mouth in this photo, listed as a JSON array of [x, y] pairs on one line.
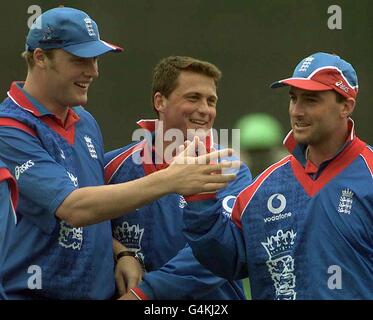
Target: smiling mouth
[[198, 122], [82, 85], [300, 125]]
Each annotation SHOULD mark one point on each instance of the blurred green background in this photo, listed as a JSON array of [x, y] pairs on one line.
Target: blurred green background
[[253, 42]]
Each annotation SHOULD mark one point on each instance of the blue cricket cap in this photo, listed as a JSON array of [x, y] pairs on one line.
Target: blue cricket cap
[[69, 29], [323, 71]]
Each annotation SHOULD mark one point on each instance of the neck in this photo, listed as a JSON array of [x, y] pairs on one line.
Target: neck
[[37, 90], [319, 153]]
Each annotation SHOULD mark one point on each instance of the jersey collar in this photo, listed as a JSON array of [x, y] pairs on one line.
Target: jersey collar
[[30, 104], [299, 150], [313, 179]]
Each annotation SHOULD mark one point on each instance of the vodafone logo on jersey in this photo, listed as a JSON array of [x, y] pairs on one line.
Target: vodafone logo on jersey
[[276, 204], [279, 205], [227, 204]]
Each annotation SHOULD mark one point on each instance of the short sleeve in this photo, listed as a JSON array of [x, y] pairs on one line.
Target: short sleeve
[[43, 183]]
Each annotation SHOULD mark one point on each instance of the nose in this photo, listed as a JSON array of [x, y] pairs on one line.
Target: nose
[[296, 108], [203, 107], [92, 68]]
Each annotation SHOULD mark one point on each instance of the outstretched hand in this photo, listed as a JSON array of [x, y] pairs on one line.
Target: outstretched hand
[[191, 173]]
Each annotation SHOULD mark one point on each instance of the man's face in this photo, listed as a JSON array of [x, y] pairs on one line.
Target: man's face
[[315, 116], [192, 105], [69, 77]]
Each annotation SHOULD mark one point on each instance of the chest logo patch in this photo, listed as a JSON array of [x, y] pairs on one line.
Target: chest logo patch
[[90, 146], [280, 263], [345, 201], [70, 238]]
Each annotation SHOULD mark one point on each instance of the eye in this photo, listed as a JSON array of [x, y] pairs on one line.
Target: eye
[[78, 61], [192, 98], [311, 100], [212, 102]]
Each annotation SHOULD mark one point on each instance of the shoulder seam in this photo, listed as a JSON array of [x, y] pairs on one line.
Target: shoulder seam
[[112, 166], [259, 181], [367, 155], [16, 124]]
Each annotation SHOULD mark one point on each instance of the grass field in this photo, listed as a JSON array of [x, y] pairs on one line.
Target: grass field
[[246, 286]]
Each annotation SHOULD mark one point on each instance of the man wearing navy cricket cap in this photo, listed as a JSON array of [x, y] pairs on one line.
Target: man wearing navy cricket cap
[[303, 228], [62, 247]]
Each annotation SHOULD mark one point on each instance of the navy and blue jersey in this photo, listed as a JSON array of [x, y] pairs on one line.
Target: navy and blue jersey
[[155, 232], [49, 161], [299, 232], [340, 246], [8, 218]]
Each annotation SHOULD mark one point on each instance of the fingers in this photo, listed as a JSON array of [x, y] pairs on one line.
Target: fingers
[[215, 156], [225, 167], [120, 284], [132, 283], [201, 148], [186, 153], [190, 148], [219, 178], [129, 296]]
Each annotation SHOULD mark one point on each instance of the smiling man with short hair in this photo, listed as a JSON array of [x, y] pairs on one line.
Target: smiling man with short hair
[[303, 228]]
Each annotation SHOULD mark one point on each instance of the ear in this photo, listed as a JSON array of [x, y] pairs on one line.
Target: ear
[[348, 107], [159, 102], [40, 58]]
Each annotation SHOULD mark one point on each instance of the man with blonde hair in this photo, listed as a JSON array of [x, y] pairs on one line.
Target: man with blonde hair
[[55, 148]]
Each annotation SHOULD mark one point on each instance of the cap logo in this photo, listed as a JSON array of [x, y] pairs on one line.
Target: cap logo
[[49, 37], [89, 26], [48, 34], [306, 63], [340, 85]]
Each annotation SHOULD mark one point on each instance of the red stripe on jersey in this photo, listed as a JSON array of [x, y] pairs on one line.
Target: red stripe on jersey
[[8, 122], [5, 175], [289, 142], [112, 167], [65, 130], [148, 124], [18, 96], [367, 155], [336, 166], [201, 196], [139, 294], [247, 194], [67, 133]]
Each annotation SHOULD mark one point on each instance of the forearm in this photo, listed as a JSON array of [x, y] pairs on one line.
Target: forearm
[[90, 205]]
